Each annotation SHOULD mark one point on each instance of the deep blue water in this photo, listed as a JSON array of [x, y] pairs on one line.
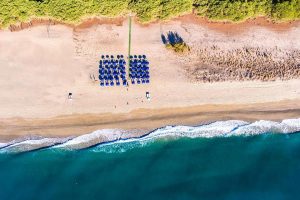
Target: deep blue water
[[254, 167]]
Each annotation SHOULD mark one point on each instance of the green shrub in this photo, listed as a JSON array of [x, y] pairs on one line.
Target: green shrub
[[175, 42], [172, 8], [233, 10], [15, 11], [146, 10], [286, 10], [150, 10], [179, 47]]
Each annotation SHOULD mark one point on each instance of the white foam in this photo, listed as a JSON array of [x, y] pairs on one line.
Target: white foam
[[113, 139], [262, 126], [292, 123], [2, 145], [29, 145], [220, 128], [216, 129], [93, 138]]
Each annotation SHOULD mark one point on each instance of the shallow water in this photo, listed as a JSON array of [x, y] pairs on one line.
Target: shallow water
[[265, 166]]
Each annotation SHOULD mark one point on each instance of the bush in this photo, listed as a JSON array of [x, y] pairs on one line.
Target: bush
[[286, 10], [179, 47], [150, 10], [12, 12], [175, 42], [71, 11], [233, 10]]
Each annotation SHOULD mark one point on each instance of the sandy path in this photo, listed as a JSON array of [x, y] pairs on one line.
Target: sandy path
[[40, 65]]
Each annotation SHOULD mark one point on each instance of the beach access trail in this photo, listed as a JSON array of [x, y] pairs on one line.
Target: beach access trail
[[40, 65]]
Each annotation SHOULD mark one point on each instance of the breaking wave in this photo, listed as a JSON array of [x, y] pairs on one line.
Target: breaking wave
[[116, 140]]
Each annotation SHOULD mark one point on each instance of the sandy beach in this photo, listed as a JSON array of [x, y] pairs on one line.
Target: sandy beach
[[40, 65]]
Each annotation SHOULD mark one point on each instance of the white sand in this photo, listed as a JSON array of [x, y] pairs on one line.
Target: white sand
[[38, 68]]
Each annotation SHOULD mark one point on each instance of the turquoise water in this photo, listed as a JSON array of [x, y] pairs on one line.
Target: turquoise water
[[265, 166]]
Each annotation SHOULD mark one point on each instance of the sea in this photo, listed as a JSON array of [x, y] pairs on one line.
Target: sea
[[222, 160]]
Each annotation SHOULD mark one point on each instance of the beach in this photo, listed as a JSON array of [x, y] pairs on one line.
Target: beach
[[40, 65]]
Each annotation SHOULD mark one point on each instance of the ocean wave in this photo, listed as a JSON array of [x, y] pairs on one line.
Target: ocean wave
[[111, 140], [31, 144], [262, 126], [91, 139], [2, 145]]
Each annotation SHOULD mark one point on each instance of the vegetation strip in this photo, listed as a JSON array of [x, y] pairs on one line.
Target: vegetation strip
[[73, 11]]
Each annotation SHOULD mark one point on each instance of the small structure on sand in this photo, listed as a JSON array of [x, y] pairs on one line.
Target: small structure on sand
[[148, 96]]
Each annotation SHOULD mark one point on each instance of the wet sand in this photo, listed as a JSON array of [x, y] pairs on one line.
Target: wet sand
[[145, 120]]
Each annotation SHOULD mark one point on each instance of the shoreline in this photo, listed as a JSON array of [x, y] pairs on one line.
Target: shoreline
[[145, 120]]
